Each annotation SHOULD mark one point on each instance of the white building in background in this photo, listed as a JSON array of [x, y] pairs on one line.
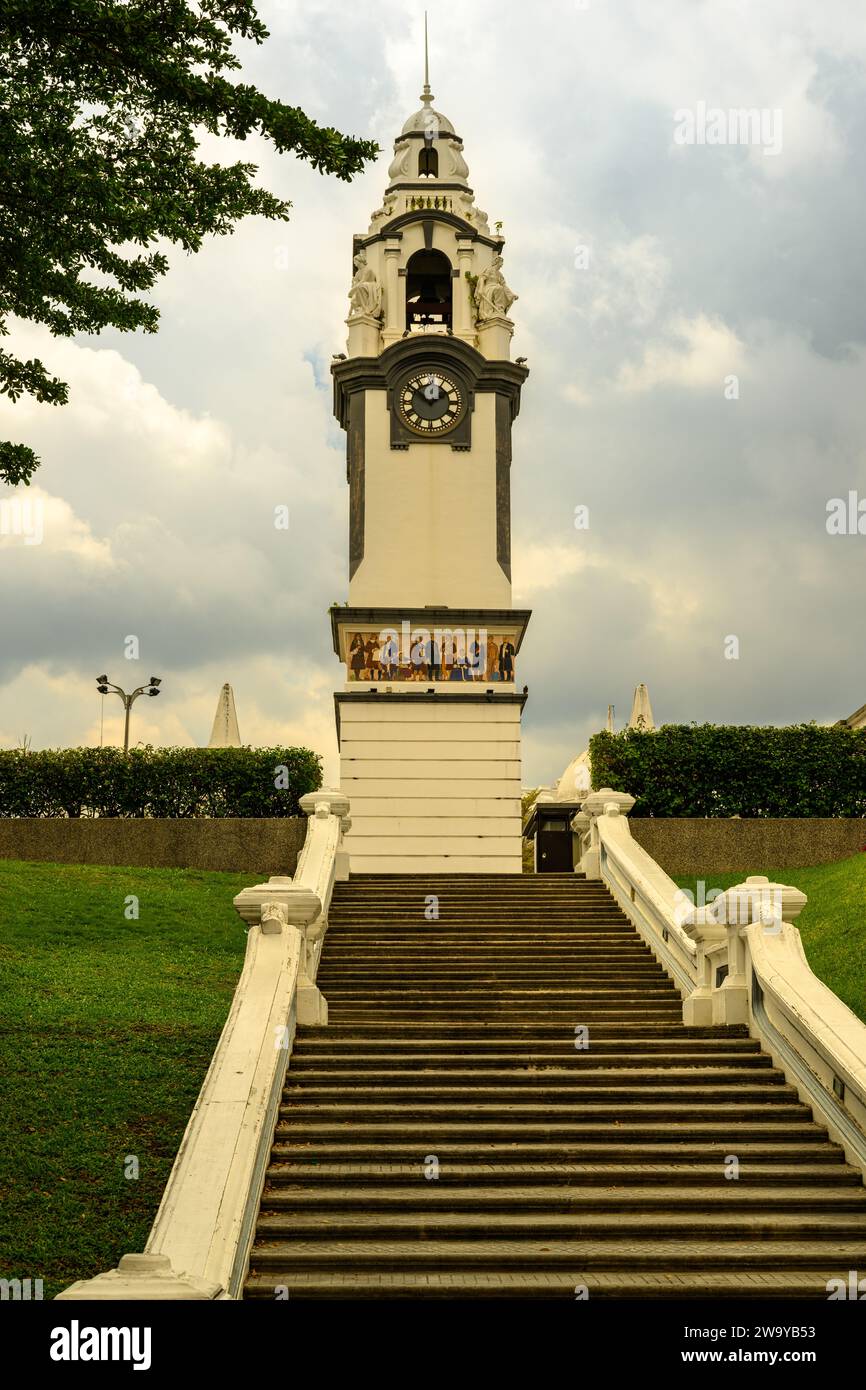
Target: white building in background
[[548, 824], [576, 781], [224, 733], [428, 721], [857, 720]]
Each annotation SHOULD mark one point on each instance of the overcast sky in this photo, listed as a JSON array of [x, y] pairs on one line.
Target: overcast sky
[[705, 262]]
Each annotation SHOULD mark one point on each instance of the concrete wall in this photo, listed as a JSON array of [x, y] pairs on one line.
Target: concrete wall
[[430, 518], [685, 846], [433, 787], [260, 846], [271, 846]]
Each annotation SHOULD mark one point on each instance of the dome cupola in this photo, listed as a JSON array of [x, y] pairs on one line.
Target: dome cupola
[[428, 153]]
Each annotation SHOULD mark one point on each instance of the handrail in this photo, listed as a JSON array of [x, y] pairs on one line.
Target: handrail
[[199, 1245], [739, 962], [659, 897], [819, 1037]]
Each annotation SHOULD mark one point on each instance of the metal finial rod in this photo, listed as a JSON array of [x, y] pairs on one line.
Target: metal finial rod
[[426, 95]]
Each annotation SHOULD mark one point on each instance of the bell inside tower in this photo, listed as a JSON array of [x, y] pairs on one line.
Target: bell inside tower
[[428, 293]]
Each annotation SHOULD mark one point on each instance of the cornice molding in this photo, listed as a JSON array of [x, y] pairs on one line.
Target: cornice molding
[[460, 225]]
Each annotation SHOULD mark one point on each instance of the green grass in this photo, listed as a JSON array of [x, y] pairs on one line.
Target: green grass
[[832, 924], [107, 1026]]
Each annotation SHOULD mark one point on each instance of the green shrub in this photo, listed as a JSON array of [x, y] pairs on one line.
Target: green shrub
[[156, 781], [734, 770]]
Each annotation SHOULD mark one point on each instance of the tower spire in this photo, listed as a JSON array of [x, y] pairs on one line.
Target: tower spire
[[426, 95]]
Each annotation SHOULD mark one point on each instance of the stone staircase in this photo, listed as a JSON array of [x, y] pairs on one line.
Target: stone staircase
[[445, 1137]]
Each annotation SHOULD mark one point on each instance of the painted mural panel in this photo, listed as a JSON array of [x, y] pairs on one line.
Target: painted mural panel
[[437, 654]]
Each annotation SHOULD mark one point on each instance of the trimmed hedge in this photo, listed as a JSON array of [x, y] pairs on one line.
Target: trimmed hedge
[[164, 782], [734, 770]]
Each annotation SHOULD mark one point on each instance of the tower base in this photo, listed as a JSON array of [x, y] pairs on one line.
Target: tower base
[[433, 780]]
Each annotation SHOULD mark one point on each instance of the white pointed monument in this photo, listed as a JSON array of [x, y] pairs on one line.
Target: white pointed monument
[[576, 780], [641, 710], [224, 733]]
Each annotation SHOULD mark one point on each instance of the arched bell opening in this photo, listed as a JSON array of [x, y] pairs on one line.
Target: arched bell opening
[[429, 289], [428, 162]]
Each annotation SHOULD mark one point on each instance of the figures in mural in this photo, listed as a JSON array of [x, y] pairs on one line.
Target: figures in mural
[[492, 655], [493, 298], [365, 293], [431, 656], [356, 657], [390, 658], [506, 661]]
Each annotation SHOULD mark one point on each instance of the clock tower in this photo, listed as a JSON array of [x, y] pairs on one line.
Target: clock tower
[[429, 718]]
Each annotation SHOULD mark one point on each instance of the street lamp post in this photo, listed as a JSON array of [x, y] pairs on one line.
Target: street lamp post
[[104, 686]]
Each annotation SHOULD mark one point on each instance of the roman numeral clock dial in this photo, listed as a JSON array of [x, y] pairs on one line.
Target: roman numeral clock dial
[[430, 402]]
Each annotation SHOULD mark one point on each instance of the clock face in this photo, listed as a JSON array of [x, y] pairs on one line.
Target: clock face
[[430, 402]]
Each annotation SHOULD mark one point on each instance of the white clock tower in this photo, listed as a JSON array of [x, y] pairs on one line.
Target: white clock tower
[[429, 718]]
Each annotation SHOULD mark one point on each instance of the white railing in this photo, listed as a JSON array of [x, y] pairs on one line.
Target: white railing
[[199, 1245], [644, 891], [739, 961]]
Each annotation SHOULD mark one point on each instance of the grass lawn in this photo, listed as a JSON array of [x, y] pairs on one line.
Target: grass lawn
[[107, 1026], [832, 924]]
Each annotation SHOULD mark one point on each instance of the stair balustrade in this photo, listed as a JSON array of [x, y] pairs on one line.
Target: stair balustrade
[[198, 1247], [738, 960]]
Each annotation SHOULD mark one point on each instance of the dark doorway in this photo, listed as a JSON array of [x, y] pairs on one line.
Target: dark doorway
[[553, 845]]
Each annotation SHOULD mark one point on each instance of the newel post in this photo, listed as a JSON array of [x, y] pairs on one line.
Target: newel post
[[302, 902], [756, 901], [708, 935], [585, 823]]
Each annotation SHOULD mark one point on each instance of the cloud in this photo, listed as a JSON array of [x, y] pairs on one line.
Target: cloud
[[694, 354], [625, 281], [707, 515], [31, 517]]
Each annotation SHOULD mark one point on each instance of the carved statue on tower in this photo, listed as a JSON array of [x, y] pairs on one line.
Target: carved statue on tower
[[365, 294], [493, 298]]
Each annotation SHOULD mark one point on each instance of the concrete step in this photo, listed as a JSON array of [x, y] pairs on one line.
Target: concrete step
[[647, 993], [531, 1066], [426, 1197], [574, 1079], [763, 1223], [435, 1129], [588, 1108], [432, 970], [838, 1256], [809, 1282], [455, 1014], [658, 1153], [519, 922], [618, 1042], [551, 1097], [823, 1179], [439, 983], [414, 958], [517, 1034]]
